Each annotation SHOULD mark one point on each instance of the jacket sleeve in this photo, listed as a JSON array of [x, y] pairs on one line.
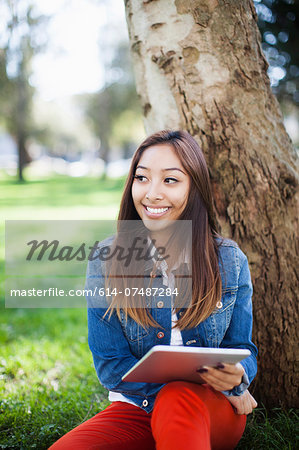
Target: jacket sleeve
[[239, 332], [109, 347]]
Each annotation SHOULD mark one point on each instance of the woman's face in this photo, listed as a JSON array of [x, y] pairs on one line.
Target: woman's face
[[161, 186]]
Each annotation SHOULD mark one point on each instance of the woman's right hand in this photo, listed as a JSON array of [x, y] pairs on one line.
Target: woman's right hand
[[243, 404]]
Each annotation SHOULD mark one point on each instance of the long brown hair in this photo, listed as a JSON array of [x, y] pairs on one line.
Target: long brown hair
[[206, 280]]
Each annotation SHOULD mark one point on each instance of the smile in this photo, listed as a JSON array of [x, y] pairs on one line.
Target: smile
[[156, 211]]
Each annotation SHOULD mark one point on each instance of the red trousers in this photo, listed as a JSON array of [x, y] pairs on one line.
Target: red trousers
[[185, 416]]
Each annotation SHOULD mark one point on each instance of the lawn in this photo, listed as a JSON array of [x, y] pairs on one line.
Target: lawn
[[47, 381]]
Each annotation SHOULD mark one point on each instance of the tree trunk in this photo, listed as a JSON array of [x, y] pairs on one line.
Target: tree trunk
[[104, 155], [199, 67], [21, 124], [21, 156]]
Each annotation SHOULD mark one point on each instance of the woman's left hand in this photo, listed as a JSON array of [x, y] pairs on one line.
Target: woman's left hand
[[224, 377], [243, 404]]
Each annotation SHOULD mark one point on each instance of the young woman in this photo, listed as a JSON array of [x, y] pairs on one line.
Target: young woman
[[169, 182]]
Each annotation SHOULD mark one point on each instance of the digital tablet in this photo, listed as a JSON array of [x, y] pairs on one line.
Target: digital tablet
[[164, 363]]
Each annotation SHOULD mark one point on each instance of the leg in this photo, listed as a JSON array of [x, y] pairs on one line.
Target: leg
[[194, 416], [120, 426]]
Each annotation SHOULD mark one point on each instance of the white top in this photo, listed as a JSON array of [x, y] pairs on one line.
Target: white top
[[176, 335]]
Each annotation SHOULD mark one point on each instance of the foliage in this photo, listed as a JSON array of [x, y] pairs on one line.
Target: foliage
[[278, 21], [20, 41], [6, 88], [108, 109]]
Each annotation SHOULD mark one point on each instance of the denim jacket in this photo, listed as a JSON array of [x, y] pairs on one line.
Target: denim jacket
[[117, 345]]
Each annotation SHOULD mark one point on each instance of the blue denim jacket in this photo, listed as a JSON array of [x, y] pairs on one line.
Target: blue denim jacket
[[117, 345]]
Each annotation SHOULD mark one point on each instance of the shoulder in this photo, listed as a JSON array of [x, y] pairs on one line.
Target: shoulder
[[225, 242], [95, 262], [228, 246], [230, 255], [95, 276], [106, 242]]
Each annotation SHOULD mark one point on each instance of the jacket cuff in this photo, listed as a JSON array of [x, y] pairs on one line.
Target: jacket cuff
[[238, 390]]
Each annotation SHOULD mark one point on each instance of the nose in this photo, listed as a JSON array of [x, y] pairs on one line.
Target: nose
[[154, 194]]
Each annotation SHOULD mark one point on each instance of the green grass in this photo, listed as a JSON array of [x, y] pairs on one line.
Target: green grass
[[60, 198], [273, 430], [48, 384], [47, 381]]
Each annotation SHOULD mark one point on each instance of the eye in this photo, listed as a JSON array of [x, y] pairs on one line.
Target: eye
[[141, 178], [170, 180]]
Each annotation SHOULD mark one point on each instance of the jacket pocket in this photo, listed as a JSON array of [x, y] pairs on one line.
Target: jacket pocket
[[227, 301], [132, 330], [216, 325]]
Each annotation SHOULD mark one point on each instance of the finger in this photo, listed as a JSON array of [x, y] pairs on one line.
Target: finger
[[247, 405], [218, 383], [236, 408], [222, 376], [237, 405], [250, 403], [240, 409], [231, 368], [243, 407], [253, 402], [218, 372], [212, 382]]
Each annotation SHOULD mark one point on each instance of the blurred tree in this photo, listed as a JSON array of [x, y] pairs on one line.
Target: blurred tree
[[106, 107], [6, 87], [199, 67], [278, 21], [22, 38]]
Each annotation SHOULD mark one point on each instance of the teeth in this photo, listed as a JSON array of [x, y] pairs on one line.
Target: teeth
[[156, 210]]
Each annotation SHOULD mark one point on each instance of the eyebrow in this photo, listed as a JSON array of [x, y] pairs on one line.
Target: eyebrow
[[163, 170]]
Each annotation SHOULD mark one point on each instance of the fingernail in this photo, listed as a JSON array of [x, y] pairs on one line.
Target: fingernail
[[202, 370], [220, 366]]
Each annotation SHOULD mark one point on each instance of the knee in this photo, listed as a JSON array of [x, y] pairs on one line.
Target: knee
[[178, 403], [177, 387], [179, 392], [172, 387]]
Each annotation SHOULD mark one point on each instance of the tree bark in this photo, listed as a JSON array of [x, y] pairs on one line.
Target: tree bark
[[199, 67]]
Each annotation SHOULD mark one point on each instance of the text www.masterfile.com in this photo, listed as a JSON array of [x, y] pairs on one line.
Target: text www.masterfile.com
[[53, 292]]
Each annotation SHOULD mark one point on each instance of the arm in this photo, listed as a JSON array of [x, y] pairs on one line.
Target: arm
[[243, 404], [233, 380], [110, 349], [239, 332]]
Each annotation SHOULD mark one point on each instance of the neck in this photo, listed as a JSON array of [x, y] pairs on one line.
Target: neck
[[160, 237]]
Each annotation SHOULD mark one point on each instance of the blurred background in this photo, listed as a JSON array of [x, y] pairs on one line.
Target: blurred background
[[70, 121], [68, 104]]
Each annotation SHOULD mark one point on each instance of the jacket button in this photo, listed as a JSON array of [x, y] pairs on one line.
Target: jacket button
[[219, 305], [160, 335], [144, 403], [160, 304]]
